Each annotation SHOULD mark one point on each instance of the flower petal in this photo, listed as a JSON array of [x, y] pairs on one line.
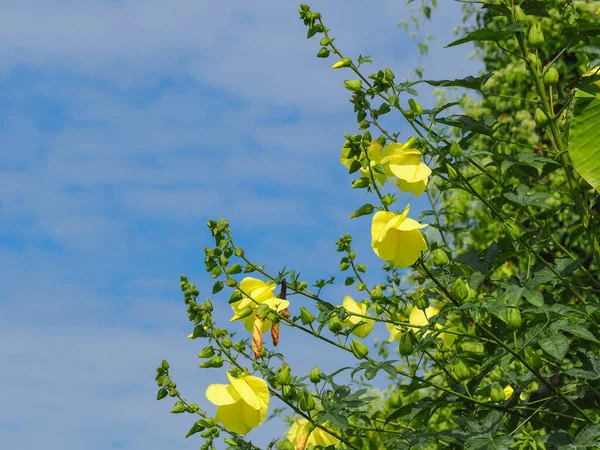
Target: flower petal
[[244, 391], [221, 394], [410, 244], [380, 219], [409, 224], [232, 418]]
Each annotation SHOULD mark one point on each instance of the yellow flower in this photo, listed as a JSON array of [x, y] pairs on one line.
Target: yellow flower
[[315, 437], [508, 391], [396, 238], [421, 318], [594, 71], [358, 308], [394, 332], [375, 154], [242, 405], [259, 293], [404, 162]]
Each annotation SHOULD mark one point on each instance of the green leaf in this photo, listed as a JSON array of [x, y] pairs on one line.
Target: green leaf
[[523, 198], [469, 82], [485, 34], [584, 138], [556, 345], [588, 437], [466, 123]]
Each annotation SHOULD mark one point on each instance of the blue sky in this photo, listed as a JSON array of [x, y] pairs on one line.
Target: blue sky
[[124, 127]]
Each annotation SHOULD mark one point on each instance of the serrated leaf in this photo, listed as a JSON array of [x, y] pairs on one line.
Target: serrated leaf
[[588, 436], [584, 138], [556, 345]]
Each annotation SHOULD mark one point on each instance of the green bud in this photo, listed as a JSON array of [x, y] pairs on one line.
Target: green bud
[[178, 408], [353, 85], [359, 349], [325, 41], [364, 125], [305, 316], [226, 343], [461, 371], [335, 325], [439, 257], [315, 375], [214, 362], [406, 345], [540, 118], [362, 211], [245, 312], [551, 77], [208, 305], [533, 359], [376, 293], [421, 301], [207, 352], [532, 57], [344, 62], [323, 53], [239, 252], [231, 282], [519, 14], [414, 106], [302, 285], [395, 401], [455, 149], [452, 173], [207, 422], [460, 290], [497, 394], [307, 402], [289, 392], [283, 376], [164, 364], [389, 74], [536, 36], [513, 318]]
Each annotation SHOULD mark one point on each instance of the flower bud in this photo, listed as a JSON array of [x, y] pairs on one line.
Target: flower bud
[[344, 62], [460, 290], [359, 349], [533, 359], [513, 318], [283, 376], [323, 53], [551, 77], [461, 371], [289, 392], [414, 106], [536, 36], [421, 301], [335, 325], [226, 343], [452, 174], [532, 57], [214, 362], [440, 258], [395, 401], [353, 85], [315, 375], [307, 402], [305, 316], [497, 394], [207, 352], [406, 345], [376, 293], [244, 312], [519, 14], [540, 118], [455, 149], [231, 282]]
